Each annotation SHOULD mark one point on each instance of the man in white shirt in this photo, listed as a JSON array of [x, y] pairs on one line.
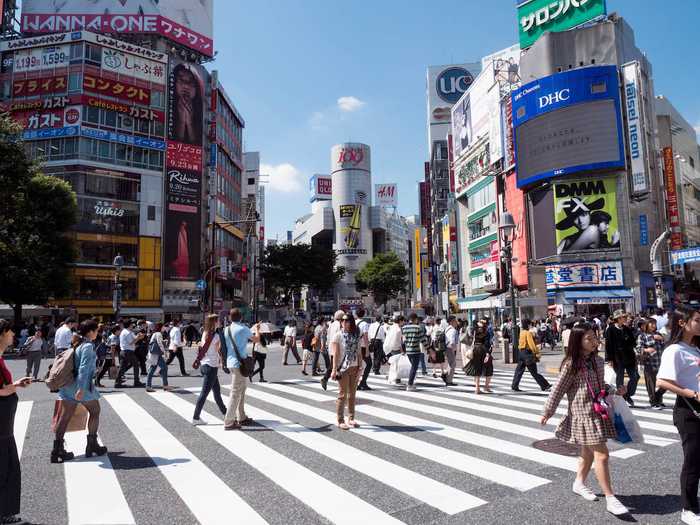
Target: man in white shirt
[[64, 334], [363, 326], [127, 357], [175, 347], [332, 330], [452, 340], [661, 319], [393, 341], [375, 336], [290, 341]]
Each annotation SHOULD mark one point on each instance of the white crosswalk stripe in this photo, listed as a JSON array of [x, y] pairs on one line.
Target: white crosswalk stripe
[[410, 444]]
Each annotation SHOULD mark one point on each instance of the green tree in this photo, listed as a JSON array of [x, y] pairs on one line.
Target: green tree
[[291, 267], [385, 277], [36, 213]]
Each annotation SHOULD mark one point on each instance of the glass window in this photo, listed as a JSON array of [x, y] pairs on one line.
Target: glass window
[[92, 115], [74, 82], [93, 54], [122, 152], [76, 51], [125, 122], [142, 126], [109, 118], [101, 289], [107, 216], [103, 252], [158, 128], [157, 99], [106, 149]]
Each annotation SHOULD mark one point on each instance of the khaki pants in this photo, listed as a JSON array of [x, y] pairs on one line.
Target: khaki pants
[[452, 362], [236, 401], [347, 387]]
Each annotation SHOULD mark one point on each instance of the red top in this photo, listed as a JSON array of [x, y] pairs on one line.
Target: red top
[[5, 372]]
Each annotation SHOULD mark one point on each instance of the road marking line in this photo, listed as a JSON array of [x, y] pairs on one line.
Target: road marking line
[[183, 470], [324, 497], [24, 410], [93, 493]]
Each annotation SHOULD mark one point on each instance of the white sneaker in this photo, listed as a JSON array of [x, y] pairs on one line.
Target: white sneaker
[[614, 506], [689, 517], [197, 422], [583, 491], [410, 388]]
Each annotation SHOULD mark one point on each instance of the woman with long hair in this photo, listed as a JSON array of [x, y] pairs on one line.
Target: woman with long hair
[[259, 354], [156, 359], [587, 422], [345, 352], [81, 391], [481, 363], [208, 361], [11, 478], [680, 373], [649, 350]]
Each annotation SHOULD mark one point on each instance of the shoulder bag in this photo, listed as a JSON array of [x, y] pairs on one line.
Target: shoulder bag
[[246, 363]]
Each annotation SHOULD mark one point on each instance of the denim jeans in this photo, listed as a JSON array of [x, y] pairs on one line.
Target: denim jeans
[[163, 372], [422, 364], [210, 384], [633, 375], [414, 358]]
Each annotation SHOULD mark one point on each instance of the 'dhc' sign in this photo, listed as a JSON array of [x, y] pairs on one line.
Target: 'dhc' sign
[[350, 156], [452, 83]]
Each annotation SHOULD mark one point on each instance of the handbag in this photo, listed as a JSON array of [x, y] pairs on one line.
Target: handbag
[[247, 363], [78, 420]]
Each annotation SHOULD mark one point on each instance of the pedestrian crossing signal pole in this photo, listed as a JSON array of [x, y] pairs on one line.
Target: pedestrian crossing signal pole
[[507, 229], [118, 264]]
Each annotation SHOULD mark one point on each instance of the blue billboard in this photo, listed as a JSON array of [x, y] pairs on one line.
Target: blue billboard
[[567, 123]]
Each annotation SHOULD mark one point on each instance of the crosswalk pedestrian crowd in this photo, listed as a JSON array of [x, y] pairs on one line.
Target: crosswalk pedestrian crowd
[[375, 356]]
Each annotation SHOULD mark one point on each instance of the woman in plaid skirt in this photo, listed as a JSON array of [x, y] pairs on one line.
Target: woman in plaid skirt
[[587, 422]]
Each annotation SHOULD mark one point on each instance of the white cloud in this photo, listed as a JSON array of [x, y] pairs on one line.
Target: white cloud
[[283, 178], [349, 104]]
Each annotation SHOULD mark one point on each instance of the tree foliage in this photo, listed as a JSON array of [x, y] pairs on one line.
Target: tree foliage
[[36, 213], [291, 267], [385, 277]]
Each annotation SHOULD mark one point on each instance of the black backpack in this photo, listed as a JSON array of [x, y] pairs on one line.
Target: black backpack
[[440, 341]]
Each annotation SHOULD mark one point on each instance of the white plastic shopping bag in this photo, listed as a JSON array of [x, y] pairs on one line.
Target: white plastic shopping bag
[[399, 367], [626, 426], [610, 377]]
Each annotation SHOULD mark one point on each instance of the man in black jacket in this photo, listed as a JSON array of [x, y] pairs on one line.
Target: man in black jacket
[[619, 352]]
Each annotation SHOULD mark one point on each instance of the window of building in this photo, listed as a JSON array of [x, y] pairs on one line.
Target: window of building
[[101, 252], [75, 81], [102, 216], [691, 160], [157, 99], [93, 54], [481, 198], [251, 181], [151, 213], [101, 289], [92, 115], [108, 118], [76, 51]]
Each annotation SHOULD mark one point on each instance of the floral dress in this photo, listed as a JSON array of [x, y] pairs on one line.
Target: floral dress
[[581, 425]]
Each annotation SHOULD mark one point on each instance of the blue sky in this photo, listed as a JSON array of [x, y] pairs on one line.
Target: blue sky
[[308, 74]]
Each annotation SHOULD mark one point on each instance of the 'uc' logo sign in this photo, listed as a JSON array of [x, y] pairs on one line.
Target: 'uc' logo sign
[[451, 83]]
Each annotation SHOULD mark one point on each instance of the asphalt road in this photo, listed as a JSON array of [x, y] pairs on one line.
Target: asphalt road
[[438, 456]]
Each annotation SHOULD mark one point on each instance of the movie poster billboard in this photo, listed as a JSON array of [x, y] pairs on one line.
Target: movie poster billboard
[[515, 204], [183, 181], [585, 215], [187, 22]]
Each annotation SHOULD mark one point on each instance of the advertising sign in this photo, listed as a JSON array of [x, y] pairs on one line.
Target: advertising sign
[[470, 115], [51, 133], [131, 110], [635, 128], [585, 215], [187, 23], [122, 138], [183, 160], [689, 255], [40, 58], [320, 188], [445, 86], [417, 264], [643, 230], [386, 195], [133, 66], [584, 275], [674, 216], [350, 225], [509, 139], [350, 157], [424, 203], [39, 86], [117, 89], [515, 204], [568, 122], [45, 103], [49, 118], [540, 16]]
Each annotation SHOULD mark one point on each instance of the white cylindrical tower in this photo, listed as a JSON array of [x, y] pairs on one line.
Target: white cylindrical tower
[[351, 198]]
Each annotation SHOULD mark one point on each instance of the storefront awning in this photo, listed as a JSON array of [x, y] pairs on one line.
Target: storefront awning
[[482, 301], [605, 296]]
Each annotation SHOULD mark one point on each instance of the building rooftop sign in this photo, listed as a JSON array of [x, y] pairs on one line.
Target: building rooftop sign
[[540, 16]]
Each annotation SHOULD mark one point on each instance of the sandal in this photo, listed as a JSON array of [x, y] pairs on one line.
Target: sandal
[[343, 426], [353, 423], [246, 422]]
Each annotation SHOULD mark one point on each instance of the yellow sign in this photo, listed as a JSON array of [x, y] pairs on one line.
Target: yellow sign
[[416, 261]]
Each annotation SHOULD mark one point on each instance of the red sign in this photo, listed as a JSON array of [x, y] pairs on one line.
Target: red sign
[[46, 103], [132, 111], [48, 118], [424, 203], [117, 89], [515, 204], [324, 186], [184, 156], [352, 156], [105, 23], [39, 86], [674, 216]]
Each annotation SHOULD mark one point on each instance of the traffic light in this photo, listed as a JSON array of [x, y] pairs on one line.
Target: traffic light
[[244, 272]]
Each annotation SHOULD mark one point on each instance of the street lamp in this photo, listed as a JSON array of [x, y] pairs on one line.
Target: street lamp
[[118, 264], [507, 229]]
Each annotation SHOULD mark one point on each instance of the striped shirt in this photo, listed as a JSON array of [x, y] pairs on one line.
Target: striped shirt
[[413, 336]]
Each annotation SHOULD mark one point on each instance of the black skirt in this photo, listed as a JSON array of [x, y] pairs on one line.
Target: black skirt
[[476, 366], [10, 473]]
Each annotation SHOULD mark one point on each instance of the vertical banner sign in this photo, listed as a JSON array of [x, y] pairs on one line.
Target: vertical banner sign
[[183, 181], [643, 230], [509, 153], [451, 162], [385, 195], [417, 263], [515, 204], [635, 128], [674, 217]]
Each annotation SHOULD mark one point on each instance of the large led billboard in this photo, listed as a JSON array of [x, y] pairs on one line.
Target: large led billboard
[[567, 123]]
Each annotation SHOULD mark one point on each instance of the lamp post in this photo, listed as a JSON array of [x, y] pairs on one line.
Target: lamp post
[[118, 264], [507, 229]]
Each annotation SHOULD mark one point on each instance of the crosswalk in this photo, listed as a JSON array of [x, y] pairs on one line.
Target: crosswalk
[[422, 456]]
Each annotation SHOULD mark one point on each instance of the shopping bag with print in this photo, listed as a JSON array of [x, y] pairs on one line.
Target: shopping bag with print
[[626, 424]]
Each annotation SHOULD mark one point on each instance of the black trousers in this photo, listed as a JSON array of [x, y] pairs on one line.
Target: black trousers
[[141, 355], [10, 473], [326, 361], [532, 368], [180, 358], [655, 396], [260, 360], [368, 366], [210, 384], [688, 425], [107, 363], [378, 359], [128, 360]]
